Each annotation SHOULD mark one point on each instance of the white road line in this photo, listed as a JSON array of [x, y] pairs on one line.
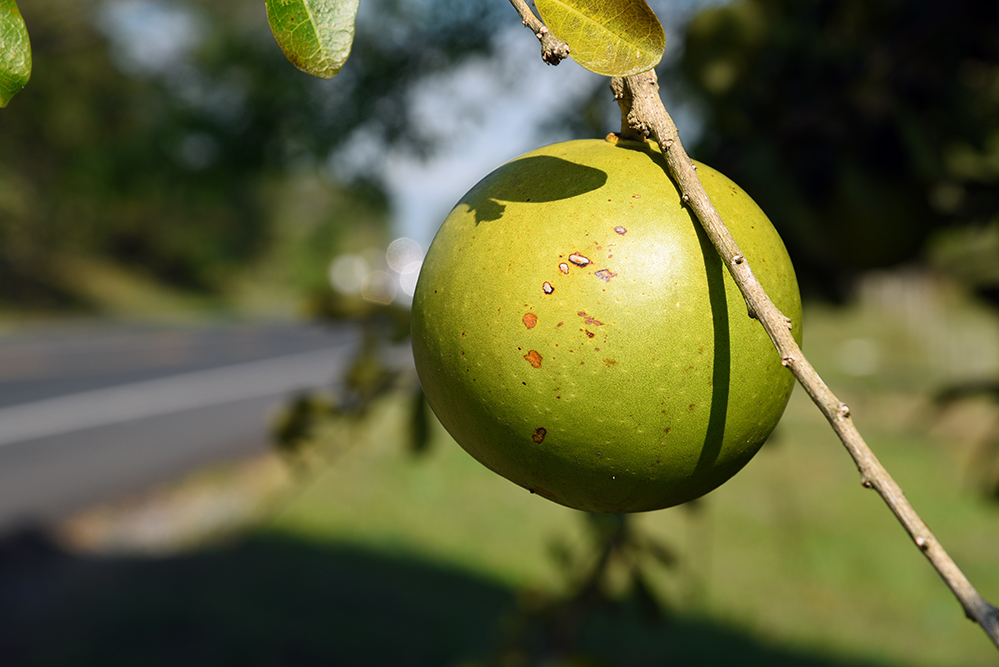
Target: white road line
[[176, 393]]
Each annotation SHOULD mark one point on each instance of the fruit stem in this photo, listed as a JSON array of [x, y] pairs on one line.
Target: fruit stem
[[643, 115]]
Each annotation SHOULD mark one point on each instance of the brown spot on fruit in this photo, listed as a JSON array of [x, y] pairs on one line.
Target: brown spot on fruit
[[563, 267], [620, 230], [605, 275], [547, 287], [610, 362], [530, 320], [539, 434], [533, 358], [589, 320], [690, 407], [579, 260], [589, 333]]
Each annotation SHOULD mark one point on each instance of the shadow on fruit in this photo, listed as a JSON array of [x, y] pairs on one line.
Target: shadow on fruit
[[539, 178]]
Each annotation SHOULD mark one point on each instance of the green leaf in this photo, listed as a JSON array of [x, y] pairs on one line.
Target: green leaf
[[609, 37], [15, 52], [315, 35]]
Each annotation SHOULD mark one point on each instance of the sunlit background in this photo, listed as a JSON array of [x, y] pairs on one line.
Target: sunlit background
[[213, 449]]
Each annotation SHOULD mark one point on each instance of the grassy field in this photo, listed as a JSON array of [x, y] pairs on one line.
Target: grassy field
[[382, 558]]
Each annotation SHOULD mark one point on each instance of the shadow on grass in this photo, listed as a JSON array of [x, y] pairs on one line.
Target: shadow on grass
[[275, 600]]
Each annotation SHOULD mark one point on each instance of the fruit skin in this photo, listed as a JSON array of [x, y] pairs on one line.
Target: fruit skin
[[575, 331]]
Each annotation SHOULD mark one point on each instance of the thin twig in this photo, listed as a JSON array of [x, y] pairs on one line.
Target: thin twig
[[643, 115], [643, 112], [553, 49]]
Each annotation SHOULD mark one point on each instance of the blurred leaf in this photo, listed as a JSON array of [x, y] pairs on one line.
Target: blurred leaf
[[662, 553], [609, 37], [562, 554], [315, 35], [296, 423], [648, 601], [15, 52], [607, 528], [420, 424], [368, 378]]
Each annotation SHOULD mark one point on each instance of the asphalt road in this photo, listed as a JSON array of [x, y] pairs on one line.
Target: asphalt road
[[95, 412]]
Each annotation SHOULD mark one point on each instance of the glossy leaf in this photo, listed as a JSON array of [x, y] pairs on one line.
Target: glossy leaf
[[15, 52], [315, 35], [609, 37]]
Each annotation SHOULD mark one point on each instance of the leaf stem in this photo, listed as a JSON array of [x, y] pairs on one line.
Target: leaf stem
[[643, 114]]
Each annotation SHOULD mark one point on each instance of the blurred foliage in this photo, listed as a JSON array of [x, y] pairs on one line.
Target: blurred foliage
[[984, 458], [370, 378], [609, 577], [860, 126], [170, 154]]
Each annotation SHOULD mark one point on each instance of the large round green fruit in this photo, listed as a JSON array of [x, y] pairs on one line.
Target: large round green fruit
[[575, 331]]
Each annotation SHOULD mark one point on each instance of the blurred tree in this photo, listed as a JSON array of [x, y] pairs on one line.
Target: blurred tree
[[158, 134], [860, 126]]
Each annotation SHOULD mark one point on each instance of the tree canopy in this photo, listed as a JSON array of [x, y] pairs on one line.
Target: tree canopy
[[164, 154], [861, 126]]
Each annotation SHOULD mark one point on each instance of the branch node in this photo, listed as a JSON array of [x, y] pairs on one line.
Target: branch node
[[553, 49], [844, 410], [787, 360], [789, 322], [866, 482], [685, 198], [738, 259], [923, 542]]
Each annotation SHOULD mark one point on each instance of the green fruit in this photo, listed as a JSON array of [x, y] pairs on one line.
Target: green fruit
[[575, 331]]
